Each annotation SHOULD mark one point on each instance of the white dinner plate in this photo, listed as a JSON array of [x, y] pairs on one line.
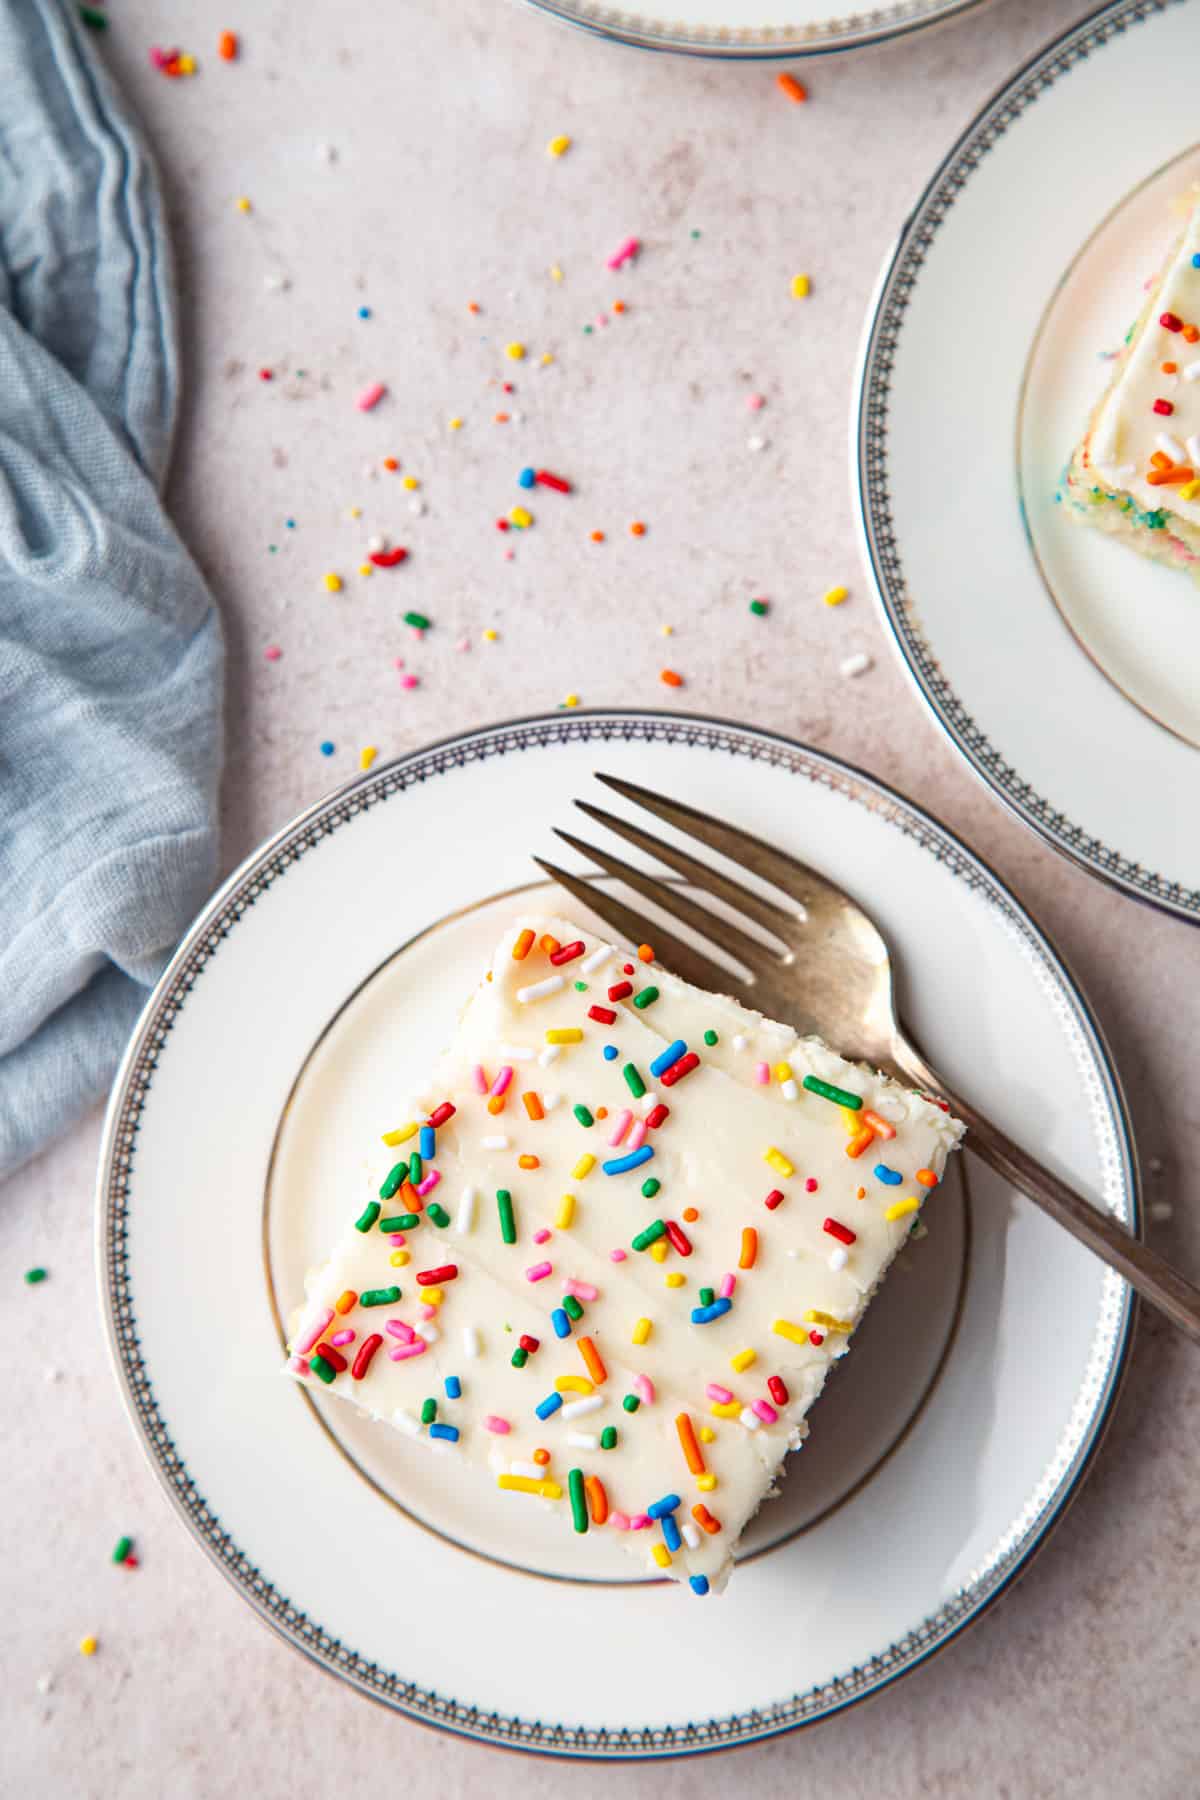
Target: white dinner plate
[[1064, 668], [751, 28], [311, 995]]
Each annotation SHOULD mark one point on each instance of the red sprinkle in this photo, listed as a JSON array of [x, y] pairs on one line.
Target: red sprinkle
[[545, 479], [777, 1390], [678, 1070], [333, 1357], [366, 1351], [656, 1115], [604, 1015], [773, 1199], [501, 524], [529, 1344], [441, 1113], [620, 991], [816, 1337], [432, 1277], [568, 952], [387, 559], [679, 1239], [1164, 407], [811, 1185], [841, 1232], [1171, 321]]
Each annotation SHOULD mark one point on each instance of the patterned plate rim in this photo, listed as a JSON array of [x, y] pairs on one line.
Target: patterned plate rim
[[852, 31], [1061, 1479], [869, 452]]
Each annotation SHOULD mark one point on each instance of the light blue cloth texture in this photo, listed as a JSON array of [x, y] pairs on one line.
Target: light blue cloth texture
[[110, 648]]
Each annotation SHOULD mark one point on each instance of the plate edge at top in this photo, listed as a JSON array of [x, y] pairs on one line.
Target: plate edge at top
[[749, 43]]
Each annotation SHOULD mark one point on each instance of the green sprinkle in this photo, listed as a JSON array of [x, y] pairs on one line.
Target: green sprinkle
[[633, 1080], [124, 1546], [650, 1187], [508, 1225], [437, 1212], [646, 998], [417, 620], [93, 19], [520, 1356], [758, 608], [707, 1296], [428, 1411], [368, 1216], [321, 1369], [33, 1276], [581, 987], [572, 1308], [644, 1239], [695, 234], [608, 1438], [416, 1168], [402, 1222], [583, 1115], [394, 1181], [387, 1296], [579, 1508], [827, 1091], [710, 1038], [631, 1403]]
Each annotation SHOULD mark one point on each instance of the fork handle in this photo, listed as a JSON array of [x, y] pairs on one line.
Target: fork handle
[[1152, 1277]]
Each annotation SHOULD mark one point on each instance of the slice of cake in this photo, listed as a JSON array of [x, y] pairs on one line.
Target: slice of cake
[[1136, 473], [613, 1253]]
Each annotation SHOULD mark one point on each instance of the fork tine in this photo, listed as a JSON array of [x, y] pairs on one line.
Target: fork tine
[[672, 900], [679, 957], [741, 847], [769, 915]]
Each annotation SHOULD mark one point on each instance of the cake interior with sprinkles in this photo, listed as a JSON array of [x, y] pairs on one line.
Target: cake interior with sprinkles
[[1136, 472], [608, 1258]]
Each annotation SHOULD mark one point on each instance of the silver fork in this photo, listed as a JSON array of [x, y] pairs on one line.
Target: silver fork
[[831, 975]]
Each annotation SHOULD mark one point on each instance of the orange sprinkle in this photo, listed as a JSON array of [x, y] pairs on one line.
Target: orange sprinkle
[[687, 1439], [1174, 477], [523, 946], [499, 418], [528, 1162], [795, 90], [227, 46], [602, 1112], [1160, 460], [1190, 334], [1170, 368], [637, 529], [542, 1457], [671, 678], [496, 1104], [927, 1178], [390, 462], [690, 1215], [860, 1193], [345, 1301], [618, 306], [472, 306], [704, 1519], [749, 1248], [645, 953], [597, 537], [591, 1357], [859, 1142], [549, 944], [593, 1487], [533, 1106], [879, 1126]]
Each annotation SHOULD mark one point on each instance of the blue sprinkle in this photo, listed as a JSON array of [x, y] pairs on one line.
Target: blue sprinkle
[[888, 1176], [667, 1058], [526, 478], [670, 1531], [611, 1053], [453, 1387], [620, 1164], [668, 1504], [449, 1432], [1196, 262], [560, 1322], [290, 523], [364, 312], [698, 1584], [428, 1143], [327, 749], [704, 1315], [549, 1405]]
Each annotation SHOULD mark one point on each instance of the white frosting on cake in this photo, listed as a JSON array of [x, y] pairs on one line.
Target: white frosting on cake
[[709, 1154]]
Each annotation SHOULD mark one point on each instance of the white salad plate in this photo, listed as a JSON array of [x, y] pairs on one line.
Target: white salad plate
[[303, 1006], [751, 28], [1062, 666]]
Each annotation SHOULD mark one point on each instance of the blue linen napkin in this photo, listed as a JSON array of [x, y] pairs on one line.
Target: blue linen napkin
[[110, 648]]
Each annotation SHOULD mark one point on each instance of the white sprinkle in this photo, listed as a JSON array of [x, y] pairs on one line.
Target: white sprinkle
[[858, 664], [838, 1258], [327, 153], [690, 1535], [45, 1684], [549, 1055], [497, 1142], [597, 959], [749, 1419], [757, 443], [416, 505], [404, 1421], [648, 1101], [1191, 372], [575, 1409], [470, 1342], [541, 990], [376, 542], [789, 1090], [53, 1373], [1161, 1211], [516, 1053], [532, 1471], [740, 1041], [583, 1440], [550, 1101], [276, 284], [430, 1333], [1193, 450], [1170, 446], [465, 1217]]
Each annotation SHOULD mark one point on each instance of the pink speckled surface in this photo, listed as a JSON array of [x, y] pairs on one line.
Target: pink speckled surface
[[1083, 1681]]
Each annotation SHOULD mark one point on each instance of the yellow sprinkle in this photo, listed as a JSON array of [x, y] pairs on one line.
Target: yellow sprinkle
[[87, 1646], [522, 1484], [583, 1167], [571, 700], [674, 1279], [490, 636], [401, 1135], [566, 1212], [742, 1360], [835, 595], [411, 482], [521, 517], [706, 1483], [365, 569], [706, 1434], [565, 1034], [514, 351], [661, 1555], [354, 512], [367, 755], [850, 1120], [900, 1209], [783, 1072], [186, 64], [795, 1334], [546, 358], [334, 583], [667, 630], [244, 205], [658, 1250], [1189, 490], [814, 1317], [574, 1384], [778, 1161], [800, 287], [398, 1258], [558, 146], [724, 1409], [641, 1331], [433, 1296], [556, 273], [456, 423]]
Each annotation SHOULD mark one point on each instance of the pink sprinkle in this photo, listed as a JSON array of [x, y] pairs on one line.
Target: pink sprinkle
[[721, 1395], [539, 1271], [762, 1073], [728, 1283], [639, 1521], [480, 1079], [811, 1185], [272, 653], [430, 1182], [602, 318], [418, 1347], [543, 1236], [371, 396], [342, 1337], [616, 1256], [160, 58], [624, 1121], [755, 402], [399, 1329], [409, 681], [637, 1136], [396, 1238], [765, 1411], [643, 1387], [582, 1290], [298, 1365], [619, 1521], [500, 1085], [462, 646], [629, 248], [427, 1312], [493, 1422], [399, 663], [305, 1344]]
